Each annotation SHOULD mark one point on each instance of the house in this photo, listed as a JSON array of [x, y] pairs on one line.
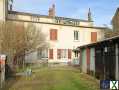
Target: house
[[64, 34]]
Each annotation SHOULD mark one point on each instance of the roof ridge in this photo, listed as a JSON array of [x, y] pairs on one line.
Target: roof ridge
[[33, 14]]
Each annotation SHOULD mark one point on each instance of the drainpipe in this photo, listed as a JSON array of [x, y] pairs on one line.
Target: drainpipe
[[117, 62]]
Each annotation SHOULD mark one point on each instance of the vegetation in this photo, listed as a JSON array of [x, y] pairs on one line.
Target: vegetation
[[54, 79], [18, 39]]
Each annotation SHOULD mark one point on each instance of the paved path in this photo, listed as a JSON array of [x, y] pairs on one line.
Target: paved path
[[65, 78]]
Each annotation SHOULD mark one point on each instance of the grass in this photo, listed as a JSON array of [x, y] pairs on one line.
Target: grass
[[54, 79]]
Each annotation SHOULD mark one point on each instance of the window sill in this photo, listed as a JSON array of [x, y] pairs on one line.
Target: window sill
[[76, 40], [43, 58], [53, 40]]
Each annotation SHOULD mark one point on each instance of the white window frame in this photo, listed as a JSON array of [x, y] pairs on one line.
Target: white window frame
[[64, 53], [76, 35], [42, 53]]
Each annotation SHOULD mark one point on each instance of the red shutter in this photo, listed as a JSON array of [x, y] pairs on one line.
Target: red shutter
[[50, 53], [93, 36], [88, 56], [53, 34], [69, 53], [58, 53]]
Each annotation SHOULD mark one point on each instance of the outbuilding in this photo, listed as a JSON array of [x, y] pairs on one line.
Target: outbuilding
[[101, 59]]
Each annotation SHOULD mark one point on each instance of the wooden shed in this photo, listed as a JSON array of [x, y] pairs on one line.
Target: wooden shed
[[101, 59]]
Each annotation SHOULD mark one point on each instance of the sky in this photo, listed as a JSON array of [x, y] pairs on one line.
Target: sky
[[102, 10]]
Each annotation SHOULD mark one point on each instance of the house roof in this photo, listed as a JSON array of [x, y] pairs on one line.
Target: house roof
[[57, 17], [46, 16]]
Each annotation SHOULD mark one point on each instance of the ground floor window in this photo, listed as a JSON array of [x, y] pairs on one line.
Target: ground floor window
[[76, 54], [42, 53], [64, 53]]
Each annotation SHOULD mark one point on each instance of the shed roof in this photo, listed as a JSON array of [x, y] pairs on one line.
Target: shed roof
[[105, 40]]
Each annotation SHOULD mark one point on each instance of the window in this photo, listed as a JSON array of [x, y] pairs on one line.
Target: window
[[64, 53], [50, 53], [53, 34], [58, 53], [76, 54], [93, 36], [36, 19], [76, 35], [58, 21], [76, 23], [42, 53]]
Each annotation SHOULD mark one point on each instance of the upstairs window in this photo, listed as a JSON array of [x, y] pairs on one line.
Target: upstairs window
[[53, 34], [76, 35]]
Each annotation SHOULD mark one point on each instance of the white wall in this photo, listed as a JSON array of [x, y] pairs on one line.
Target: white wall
[[66, 37]]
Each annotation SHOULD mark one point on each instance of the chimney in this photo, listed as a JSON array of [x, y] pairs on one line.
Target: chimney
[[52, 11], [89, 15], [10, 5]]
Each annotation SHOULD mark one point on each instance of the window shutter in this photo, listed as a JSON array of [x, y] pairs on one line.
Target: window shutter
[[50, 53], [58, 53], [69, 53], [93, 36], [53, 34]]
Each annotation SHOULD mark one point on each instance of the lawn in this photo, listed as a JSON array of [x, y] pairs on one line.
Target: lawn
[[66, 78]]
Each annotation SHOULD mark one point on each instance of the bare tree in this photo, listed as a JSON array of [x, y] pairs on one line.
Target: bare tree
[[34, 38], [16, 40]]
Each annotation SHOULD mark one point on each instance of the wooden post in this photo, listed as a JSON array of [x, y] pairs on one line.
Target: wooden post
[[117, 63], [2, 60]]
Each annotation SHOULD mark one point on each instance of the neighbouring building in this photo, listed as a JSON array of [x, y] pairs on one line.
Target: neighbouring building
[[115, 26], [64, 34], [115, 20]]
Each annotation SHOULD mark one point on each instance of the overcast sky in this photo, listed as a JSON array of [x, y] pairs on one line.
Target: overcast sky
[[102, 10]]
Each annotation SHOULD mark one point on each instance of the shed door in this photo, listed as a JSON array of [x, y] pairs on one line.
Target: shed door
[[92, 61], [84, 62]]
